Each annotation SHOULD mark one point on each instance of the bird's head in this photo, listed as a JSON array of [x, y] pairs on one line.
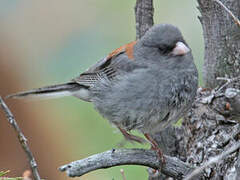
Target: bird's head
[[167, 39]]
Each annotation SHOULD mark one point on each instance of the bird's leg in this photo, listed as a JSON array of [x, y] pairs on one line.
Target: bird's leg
[[154, 146], [131, 137]]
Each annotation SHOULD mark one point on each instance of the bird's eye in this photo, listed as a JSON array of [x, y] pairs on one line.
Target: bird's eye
[[161, 49], [165, 49]]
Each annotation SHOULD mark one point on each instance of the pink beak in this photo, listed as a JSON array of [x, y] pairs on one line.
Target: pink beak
[[180, 49]]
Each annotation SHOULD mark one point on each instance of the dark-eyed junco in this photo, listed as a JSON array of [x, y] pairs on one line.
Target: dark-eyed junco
[[145, 85]]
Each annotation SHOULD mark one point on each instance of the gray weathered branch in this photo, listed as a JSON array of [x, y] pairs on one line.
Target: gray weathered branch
[[144, 16], [21, 138], [173, 167], [213, 160]]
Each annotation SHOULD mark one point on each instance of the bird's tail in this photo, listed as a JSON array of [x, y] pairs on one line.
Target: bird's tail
[[53, 91]]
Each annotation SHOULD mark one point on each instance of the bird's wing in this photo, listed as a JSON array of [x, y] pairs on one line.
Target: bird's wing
[[119, 60]]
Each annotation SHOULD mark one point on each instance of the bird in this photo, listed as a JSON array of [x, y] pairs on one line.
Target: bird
[[145, 85]]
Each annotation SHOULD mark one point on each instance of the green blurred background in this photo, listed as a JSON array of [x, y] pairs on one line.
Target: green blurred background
[[47, 42]]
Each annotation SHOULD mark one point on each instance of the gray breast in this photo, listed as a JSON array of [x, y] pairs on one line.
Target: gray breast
[[143, 101]]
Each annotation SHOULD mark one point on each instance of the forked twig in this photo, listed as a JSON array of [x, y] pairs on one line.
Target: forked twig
[[228, 81]]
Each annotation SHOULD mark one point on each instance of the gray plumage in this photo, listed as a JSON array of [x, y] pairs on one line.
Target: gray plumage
[[148, 92]]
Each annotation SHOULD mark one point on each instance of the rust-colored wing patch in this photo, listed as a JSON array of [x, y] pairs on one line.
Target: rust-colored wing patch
[[128, 49]]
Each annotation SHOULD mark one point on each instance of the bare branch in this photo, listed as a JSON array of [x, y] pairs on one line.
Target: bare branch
[[144, 16], [173, 167], [217, 92], [229, 81], [213, 161], [21, 138], [236, 20]]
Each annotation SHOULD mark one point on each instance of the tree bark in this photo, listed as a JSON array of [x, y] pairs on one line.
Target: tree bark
[[222, 40], [144, 16]]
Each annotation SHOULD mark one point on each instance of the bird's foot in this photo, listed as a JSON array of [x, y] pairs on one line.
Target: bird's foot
[[154, 146], [160, 155], [132, 138]]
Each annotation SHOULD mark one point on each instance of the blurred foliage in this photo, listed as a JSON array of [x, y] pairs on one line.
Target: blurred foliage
[[3, 176], [3, 173]]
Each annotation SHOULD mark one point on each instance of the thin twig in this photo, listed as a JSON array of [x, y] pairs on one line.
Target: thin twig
[[217, 91], [236, 20], [213, 161], [21, 139], [123, 175], [173, 166], [229, 81]]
